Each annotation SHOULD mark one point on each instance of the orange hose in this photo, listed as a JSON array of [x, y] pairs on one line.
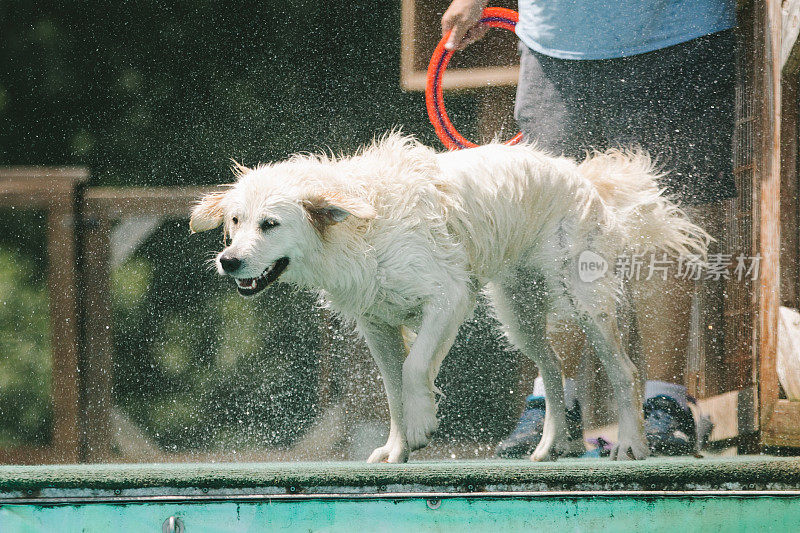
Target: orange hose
[[495, 17]]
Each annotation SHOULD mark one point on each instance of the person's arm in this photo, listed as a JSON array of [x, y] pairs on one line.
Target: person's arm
[[462, 17]]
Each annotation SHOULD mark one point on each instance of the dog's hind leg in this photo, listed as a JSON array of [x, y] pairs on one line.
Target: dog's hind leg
[[441, 319], [385, 343], [522, 308], [602, 331]]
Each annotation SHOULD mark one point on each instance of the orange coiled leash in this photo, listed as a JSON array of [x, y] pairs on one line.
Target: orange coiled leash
[[495, 17]]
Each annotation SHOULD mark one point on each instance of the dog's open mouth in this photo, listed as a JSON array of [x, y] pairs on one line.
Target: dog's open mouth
[[251, 286]]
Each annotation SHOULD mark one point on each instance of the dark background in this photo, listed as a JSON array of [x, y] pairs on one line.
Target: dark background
[[165, 93]]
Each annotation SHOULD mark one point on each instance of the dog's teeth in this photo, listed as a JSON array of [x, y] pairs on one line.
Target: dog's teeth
[[246, 283]]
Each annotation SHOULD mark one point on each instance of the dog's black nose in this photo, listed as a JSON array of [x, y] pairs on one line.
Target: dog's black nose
[[229, 264]]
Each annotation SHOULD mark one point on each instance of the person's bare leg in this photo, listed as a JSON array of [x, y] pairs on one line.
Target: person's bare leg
[[663, 310], [567, 340]]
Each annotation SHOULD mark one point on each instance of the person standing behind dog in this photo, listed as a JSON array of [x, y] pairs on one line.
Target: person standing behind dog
[[659, 74]]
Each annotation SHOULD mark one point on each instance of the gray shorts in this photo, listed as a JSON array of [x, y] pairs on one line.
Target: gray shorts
[[677, 103]]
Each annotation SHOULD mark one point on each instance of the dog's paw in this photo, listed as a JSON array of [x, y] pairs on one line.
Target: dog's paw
[[571, 448], [559, 448], [543, 455], [546, 450], [420, 420], [419, 433], [630, 449], [391, 452]]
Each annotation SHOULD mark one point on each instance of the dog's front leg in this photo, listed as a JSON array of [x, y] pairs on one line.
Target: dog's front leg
[[440, 321], [385, 343]]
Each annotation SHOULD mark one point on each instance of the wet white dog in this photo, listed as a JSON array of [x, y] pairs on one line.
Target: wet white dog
[[401, 238]]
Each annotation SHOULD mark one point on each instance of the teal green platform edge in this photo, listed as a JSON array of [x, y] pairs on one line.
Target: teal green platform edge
[[684, 515], [747, 494], [737, 473]]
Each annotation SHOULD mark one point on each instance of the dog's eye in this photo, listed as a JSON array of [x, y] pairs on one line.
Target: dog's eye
[[235, 220], [268, 224]]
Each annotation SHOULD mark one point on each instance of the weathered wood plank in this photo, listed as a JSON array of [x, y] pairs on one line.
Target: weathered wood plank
[[62, 280], [474, 78], [55, 190], [38, 187], [115, 202], [784, 425], [97, 347], [19, 173], [768, 164], [734, 413]]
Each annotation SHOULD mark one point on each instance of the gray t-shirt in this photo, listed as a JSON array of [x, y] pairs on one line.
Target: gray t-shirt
[[605, 29]]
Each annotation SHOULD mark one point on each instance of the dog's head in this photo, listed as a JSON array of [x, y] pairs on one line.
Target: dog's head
[[273, 221]]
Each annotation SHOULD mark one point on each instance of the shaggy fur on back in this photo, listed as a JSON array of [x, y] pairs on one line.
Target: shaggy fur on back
[[399, 236]]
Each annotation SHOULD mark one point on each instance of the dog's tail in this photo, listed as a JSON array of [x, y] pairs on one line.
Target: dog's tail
[[626, 181]]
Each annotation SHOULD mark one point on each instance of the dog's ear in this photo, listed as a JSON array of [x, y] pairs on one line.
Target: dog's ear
[[328, 208], [208, 212]]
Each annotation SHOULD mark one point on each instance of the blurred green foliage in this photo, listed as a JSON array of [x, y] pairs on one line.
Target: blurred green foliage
[[25, 365], [165, 93], [197, 366]]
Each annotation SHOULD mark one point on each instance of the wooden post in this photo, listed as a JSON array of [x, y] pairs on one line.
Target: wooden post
[[62, 280], [98, 343], [767, 175], [55, 190]]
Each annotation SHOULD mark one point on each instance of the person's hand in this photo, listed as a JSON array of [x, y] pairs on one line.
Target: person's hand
[[462, 17]]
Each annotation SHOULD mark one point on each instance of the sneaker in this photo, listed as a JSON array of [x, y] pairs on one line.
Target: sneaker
[[599, 447], [669, 428], [526, 436]]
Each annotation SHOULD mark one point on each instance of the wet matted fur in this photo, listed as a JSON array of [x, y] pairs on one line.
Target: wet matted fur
[[398, 237]]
